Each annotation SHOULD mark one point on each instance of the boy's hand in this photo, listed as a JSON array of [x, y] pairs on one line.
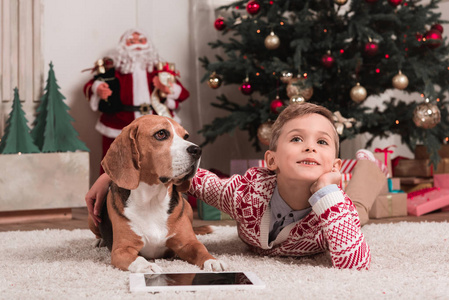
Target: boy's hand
[[95, 197], [326, 179]]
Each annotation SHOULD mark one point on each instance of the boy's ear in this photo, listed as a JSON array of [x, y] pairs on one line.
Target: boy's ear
[[337, 164], [270, 160]]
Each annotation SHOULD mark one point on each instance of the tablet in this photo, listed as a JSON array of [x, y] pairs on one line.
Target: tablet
[[141, 282]]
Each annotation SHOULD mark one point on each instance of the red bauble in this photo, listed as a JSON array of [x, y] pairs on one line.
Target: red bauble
[[253, 7], [371, 48], [219, 23], [433, 39], [437, 27], [394, 2], [246, 88], [327, 60], [275, 105]]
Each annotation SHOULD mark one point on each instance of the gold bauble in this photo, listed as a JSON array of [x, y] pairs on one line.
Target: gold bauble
[[272, 41], [296, 99], [400, 81], [358, 93], [214, 81], [340, 2], [286, 76], [297, 87], [426, 115], [264, 132]]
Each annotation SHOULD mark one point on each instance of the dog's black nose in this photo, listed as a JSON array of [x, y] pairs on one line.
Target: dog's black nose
[[194, 151]]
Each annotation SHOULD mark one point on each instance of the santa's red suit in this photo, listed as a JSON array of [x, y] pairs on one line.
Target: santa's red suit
[[111, 124]]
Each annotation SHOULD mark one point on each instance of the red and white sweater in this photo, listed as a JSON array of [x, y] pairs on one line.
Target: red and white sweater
[[333, 224]]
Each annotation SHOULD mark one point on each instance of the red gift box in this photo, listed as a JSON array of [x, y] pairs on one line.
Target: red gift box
[[427, 200], [347, 165]]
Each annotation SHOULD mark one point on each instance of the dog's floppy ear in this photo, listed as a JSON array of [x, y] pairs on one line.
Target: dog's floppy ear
[[122, 161], [183, 186]]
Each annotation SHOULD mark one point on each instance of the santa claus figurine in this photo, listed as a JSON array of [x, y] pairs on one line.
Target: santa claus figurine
[[131, 82]]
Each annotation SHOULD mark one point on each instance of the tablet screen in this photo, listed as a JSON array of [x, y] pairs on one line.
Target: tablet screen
[[189, 279]]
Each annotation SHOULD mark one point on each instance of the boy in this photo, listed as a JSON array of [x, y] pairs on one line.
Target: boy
[[294, 206]]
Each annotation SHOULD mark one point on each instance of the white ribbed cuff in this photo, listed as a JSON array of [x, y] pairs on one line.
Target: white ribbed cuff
[[328, 201]]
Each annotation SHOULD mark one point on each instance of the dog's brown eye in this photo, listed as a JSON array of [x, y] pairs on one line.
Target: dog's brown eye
[[186, 136], [161, 135]]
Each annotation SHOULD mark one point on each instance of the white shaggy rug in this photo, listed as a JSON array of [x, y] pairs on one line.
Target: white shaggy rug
[[409, 261]]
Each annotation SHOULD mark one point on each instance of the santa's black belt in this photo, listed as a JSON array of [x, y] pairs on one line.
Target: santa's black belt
[[144, 108]]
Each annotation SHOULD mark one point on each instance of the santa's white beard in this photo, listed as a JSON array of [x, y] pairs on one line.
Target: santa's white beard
[[126, 59]]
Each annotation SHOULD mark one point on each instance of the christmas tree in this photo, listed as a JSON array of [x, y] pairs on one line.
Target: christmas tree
[[17, 138], [53, 130], [335, 53]]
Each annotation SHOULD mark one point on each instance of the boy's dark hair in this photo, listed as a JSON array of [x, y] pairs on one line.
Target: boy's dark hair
[[298, 110]]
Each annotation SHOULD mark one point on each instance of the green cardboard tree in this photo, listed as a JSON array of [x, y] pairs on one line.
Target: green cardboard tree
[[17, 136], [53, 130]]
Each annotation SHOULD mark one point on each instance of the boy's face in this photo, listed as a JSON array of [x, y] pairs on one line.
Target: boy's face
[[305, 149]]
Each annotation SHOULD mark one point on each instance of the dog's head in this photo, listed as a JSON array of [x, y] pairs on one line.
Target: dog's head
[[152, 149]]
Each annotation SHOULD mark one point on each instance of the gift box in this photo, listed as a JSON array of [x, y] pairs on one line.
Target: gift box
[[384, 155], [210, 213], [420, 168], [240, 166], [347, 165], [413, 168], [443, 166], [427, 200], [441, 181], [389, 205], [345, 177], [411, 184], [421, 152], [392, 185]]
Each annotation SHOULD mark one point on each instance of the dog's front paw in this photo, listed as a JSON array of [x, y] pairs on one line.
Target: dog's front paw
[[141, 265], [214, 265]]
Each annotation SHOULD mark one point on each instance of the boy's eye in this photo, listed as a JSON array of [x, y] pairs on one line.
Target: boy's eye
[[296, 139], [323, 142]]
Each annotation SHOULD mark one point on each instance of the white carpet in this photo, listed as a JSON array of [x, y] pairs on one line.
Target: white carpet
[[409, 261]]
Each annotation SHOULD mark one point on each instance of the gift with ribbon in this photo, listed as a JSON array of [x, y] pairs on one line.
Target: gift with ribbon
[[389, 205], [384, 155], [427, 200]]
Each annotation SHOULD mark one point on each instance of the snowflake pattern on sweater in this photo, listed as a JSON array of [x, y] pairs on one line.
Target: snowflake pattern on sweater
[[333, 224]]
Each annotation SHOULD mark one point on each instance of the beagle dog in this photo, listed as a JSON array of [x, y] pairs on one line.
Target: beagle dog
[[145, 217]]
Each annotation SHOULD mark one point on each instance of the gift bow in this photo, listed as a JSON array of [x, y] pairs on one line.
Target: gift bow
[[386, 151], [341, 122]]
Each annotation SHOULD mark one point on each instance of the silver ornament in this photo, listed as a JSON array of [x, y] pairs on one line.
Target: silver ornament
[[400, 81], [272, 41], [296, 99], [426, 115], [358, 93]]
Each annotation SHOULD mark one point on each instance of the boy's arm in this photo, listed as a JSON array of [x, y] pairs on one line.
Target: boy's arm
[[216, 191], [341, 228]]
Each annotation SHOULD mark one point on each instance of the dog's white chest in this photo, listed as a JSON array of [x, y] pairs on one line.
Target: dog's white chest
[[147, 210]]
